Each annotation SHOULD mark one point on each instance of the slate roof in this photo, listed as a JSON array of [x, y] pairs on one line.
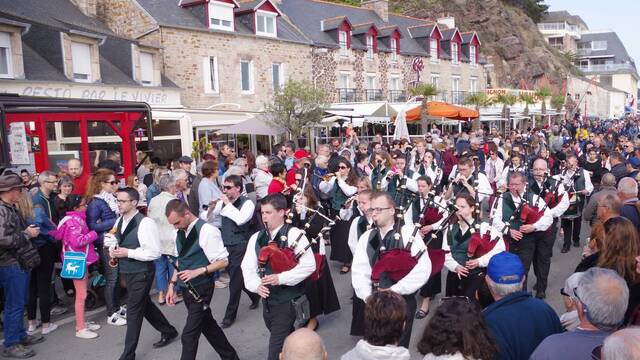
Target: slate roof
[[421, 31], [359, 29], [615, 47], [563, 15], [168, 13], [387, 30], [448, 34], [42, 51]]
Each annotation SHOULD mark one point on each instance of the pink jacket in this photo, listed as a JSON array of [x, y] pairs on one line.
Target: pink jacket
[[75, 235]]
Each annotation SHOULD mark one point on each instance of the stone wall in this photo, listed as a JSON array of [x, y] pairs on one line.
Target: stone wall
[[125, 18], [184, 51]]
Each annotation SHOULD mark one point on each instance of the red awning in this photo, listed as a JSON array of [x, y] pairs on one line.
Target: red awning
[[442, 109]]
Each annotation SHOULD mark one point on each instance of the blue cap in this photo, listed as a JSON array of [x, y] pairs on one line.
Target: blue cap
[[635, 162], [505, 268]]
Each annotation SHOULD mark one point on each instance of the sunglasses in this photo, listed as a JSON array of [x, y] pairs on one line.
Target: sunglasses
[[342, 167], [111, 182]]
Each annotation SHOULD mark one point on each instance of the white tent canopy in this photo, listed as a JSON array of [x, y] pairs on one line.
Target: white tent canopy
[[359, 110], [258, 125]]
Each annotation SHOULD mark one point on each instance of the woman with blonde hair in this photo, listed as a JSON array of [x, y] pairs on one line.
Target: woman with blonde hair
[[154, 188], [133, 181]]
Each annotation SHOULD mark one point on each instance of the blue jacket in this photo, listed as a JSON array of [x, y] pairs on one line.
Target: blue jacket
[[519, 323], [100, 218], [41, 220], [152, 191]]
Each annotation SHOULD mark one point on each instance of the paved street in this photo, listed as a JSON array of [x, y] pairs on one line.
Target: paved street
[[249, 334]]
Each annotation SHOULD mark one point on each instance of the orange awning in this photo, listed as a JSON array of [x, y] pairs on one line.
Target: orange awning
[[443, 109]]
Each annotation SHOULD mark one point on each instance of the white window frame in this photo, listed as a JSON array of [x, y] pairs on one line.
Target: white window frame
[[434, 79], [224, 14], [262, 18], [78, 63], [455, 53], [455, 79], [281, 79], [344, 75], [394, 49], [373, 82], [599, 42], [472, 55], [394, 83], [369, 41], [433, 50], [5, 45], [144, 58], [473, 84], [250, 78], [210, 63], [343, 43]]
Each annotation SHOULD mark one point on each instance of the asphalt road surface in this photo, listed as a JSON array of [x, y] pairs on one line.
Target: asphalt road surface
[[249, 334]]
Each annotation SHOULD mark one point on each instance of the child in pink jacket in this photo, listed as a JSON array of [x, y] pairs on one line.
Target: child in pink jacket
[[75, 236]]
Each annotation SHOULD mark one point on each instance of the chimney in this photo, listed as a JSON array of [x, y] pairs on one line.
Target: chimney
[[88, 7], [448, 21], [381, 8]]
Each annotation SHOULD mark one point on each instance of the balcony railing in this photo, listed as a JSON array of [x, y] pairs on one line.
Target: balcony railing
[[348, 95], [605, 67], [457, 97], [373, 95], [397, 96]]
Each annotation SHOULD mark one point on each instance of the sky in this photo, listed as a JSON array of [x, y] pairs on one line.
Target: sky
[[621, 16]]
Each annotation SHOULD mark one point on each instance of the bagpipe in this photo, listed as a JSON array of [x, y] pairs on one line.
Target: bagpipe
[[431, 213], [190, 288], [551, 197], [319, 259]]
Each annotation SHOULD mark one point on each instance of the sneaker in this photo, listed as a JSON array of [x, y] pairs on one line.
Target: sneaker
[[49, 329], [123, 312], [116, 320], [32, 340], [93, 326], [58, 310], [86, 334], [221, 285], [31, 329], [18, 351]]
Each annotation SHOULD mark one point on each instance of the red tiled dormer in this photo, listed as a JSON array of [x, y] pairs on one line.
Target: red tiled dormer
[[385, 34], [471, 46], [337, 25], [263, 14], [430, 36], [364, 31]]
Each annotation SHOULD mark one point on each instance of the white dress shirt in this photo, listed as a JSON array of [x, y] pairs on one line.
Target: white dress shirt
[[567, 180], [261, 181], [306, 263], [239, 216], [353, 233], [361, 268], [408, 216], [148, 237], [483, 261], [541, 225], [166, 231], [563, 205], [327, 186], [210, 241], [498, 167], [504, 177]]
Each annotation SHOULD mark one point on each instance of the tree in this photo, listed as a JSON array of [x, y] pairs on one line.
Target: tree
[[426, 91], [296, 105], [507, 100], [543, 93], [557, 102], [527, 99], [478, 99]]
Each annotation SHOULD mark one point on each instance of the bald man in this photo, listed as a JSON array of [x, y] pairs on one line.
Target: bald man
[[303, 344], [80, 180]]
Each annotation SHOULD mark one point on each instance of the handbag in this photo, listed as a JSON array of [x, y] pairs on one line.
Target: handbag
[[74, 265], [27, 256], [302, 309]]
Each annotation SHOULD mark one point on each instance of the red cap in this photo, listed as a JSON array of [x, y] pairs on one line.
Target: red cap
[[300, 153]]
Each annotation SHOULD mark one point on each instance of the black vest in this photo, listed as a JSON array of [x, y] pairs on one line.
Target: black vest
[[129, 239], [190, 254], [232, 234]]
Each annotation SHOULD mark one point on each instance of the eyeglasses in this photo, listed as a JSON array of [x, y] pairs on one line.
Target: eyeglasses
[[379, 210], [227, 187], [123, 201]]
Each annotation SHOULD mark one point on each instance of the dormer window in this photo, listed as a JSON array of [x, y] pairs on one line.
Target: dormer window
[[81, 61], [433, 49], [394, 49], [221, 16], [146, 69], [266, 23], [369, 40], [6, 70], [455, 58], [344, 44], [472, 54]]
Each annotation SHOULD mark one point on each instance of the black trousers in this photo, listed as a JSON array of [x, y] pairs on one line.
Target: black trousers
[[542, 256], [40, 284], [405, 338], [279, 319], [525, 249], [139, 306], [571, 229], [236, 280], [201, 321], [357, 316]]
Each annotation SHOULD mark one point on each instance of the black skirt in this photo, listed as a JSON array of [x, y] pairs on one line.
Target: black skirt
[[322, 295], [467, 286], [340, 242], [433, 286]]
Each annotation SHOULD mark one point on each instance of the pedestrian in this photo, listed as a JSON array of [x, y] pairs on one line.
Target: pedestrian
[[201, 253], [303, 344], [16, 260], [137, 247], [65, 188], [78, 176], [622, 344], [76, 236]]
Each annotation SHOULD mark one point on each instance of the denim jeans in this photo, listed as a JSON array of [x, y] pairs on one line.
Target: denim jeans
[[164, 272], [15, 283], [112, 289]]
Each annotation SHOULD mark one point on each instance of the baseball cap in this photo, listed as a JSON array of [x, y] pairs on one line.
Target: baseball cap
[[300, 153], [571, 284], [185, 160], [505, 268]]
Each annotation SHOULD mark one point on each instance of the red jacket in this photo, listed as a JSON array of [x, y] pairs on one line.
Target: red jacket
[[291, 174], [276, 186], [80, 184]]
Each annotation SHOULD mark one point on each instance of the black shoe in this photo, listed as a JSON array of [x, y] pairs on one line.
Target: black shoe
[[165, 340], [541, 295], [226, 323], [32, 340], [18, 351], [254, 304], [565, 249], [576, 244]]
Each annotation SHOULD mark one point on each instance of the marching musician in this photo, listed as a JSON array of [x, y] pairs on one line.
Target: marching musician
[[417, 156], [494, 166], [465, 178], [236, 212], [515, 164], [138, 246], [320, 290], [279, 291], [553, 193], [375, 242], [430, 168], [427, 211], [402, 176], [381, 171], [362, 222], [340, 186], [509, 210], [201, 252], [464, 260], [577, 183]]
